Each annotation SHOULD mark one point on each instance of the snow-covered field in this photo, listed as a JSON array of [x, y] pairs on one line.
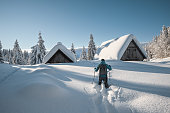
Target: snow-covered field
[[136, 87]]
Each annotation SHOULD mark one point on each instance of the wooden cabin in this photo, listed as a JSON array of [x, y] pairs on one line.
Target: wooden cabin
[[59, 54], [126, 48]]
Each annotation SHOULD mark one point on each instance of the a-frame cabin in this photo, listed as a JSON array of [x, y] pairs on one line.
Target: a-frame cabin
[[59, 54], [125, 48]]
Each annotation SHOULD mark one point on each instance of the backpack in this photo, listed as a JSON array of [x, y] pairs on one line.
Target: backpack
[[103, 69]]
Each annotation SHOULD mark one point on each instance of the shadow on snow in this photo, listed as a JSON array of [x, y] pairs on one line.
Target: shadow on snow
[[139, 67], [153, 89]]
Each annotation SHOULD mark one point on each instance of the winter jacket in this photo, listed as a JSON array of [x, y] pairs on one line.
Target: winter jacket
[[102, 67]]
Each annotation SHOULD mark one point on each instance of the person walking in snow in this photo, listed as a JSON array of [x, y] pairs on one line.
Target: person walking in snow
[[102, 67]]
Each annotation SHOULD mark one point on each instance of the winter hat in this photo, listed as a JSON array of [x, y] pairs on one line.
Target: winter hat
[[102, 60]]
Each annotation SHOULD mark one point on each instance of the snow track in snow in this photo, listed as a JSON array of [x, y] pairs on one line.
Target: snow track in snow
[[106, 100], [136, 87], [114, 93], [8, 75]]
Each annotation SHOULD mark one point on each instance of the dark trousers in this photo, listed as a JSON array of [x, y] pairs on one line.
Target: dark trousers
[[105, 81]]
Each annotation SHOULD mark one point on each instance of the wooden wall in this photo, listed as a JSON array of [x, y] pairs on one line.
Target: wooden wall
[[59, 57], [133, 53]]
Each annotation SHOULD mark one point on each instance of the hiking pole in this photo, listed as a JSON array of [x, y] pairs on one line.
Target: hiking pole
[[109, 75], [93, 77]]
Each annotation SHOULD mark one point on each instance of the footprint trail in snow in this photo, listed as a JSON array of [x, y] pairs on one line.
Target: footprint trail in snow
[[107, 100]]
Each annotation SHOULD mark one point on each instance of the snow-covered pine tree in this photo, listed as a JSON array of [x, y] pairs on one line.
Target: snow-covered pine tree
[[148, 49], [160, 46], [41, 50], [83, 55], [17, 54], [168, 42], [5, 54], [10, 56], [25, 57], [168, 32], [73, 50], [91, 48], [33, 54], [152, 47], [165, 40], [1, 56], [164, 31]]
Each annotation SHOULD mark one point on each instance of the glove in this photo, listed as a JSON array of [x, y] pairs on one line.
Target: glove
[[95, 69]]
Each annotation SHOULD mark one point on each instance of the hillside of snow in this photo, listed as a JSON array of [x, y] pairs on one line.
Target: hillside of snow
[[136, 87]]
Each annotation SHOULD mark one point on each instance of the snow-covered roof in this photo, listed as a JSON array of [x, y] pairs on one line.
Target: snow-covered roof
[[116, 48], [103, 45], [57, 47]]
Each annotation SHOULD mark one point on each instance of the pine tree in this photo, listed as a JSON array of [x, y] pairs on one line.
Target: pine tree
[[83, 55], [168, 32], [168, 42], [5, 54], [91, 48], [1, 56], [26, 57], [160, 46], [165, 40], [33, 54], [40, 50], [73, 50], [17, 54], [10, 56]]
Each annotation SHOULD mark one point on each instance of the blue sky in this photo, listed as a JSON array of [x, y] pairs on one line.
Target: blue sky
[[72, 21]]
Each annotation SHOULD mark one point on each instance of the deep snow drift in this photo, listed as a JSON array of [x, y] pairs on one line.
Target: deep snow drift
[[136, 87]]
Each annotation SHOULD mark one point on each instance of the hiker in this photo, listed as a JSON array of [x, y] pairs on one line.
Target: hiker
[[102, 67]]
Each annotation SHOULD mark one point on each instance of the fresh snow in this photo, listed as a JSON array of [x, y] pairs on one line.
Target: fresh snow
[[114, 49], [136, 87], [104, 44], [164, 60]]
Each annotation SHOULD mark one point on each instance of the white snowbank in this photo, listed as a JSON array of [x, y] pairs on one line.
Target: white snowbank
[[163, 60], [138, 87]]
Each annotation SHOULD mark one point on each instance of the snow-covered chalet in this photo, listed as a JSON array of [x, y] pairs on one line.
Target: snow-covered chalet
[[59, 54], [126, 48]]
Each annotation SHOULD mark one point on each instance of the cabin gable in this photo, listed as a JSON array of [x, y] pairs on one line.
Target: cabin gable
[[133, 53], [59, 57]]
